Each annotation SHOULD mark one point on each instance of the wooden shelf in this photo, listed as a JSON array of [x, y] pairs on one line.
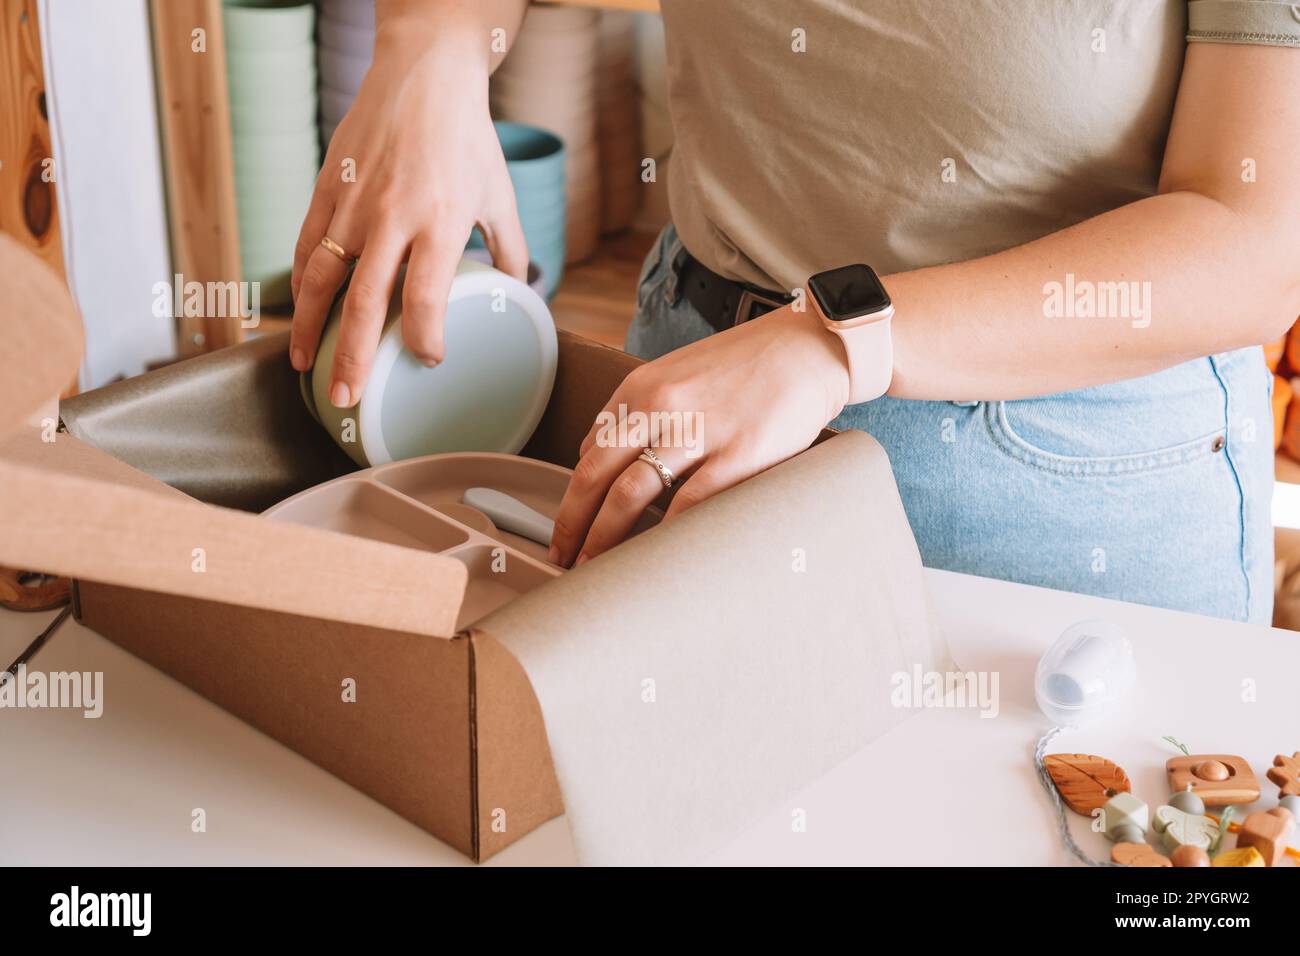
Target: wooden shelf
[[597, 298]]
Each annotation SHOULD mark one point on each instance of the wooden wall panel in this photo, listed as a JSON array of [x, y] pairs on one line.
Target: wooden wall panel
[[28, 202], [194, 114]]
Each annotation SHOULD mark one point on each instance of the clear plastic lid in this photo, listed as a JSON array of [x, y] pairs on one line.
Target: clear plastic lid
[[1085, 672]]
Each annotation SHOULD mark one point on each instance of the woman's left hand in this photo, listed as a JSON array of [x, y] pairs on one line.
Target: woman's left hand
[[717, 412]]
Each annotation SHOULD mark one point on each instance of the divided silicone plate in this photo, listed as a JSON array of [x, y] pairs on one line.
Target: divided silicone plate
[[417, 504]]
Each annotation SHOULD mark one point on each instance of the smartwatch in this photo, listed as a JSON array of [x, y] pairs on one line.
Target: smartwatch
[[854, 305]]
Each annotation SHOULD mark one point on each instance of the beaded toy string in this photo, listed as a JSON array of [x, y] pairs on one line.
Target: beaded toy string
[[1063, 825]]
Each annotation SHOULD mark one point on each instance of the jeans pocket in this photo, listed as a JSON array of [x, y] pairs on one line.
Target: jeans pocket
[[1143, 435]]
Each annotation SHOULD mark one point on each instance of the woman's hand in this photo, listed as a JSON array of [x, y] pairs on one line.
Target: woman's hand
[[428, 167], [748, 399]]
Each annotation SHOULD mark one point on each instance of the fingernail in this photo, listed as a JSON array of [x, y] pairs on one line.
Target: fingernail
[[582, 557], [339, 395], [553, 555], [299, 359]]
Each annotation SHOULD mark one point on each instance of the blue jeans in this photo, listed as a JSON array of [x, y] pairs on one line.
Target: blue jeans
[[1154, 490]]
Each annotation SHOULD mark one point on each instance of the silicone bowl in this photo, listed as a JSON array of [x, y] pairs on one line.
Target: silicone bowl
[[488, 395], [266, 26]]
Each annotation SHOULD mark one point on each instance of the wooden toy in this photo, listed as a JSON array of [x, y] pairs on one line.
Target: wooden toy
[[1267, 831], [1137, 854], [1218, 779], [1085, 781], [1184, 829], [1285, 772], [1124, 810], [1189, 856], [1236, 828], [1242, 856]]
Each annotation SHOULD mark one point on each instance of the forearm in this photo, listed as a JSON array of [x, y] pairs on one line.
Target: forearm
[[461, 30], [1216, 246], [1197, 277]]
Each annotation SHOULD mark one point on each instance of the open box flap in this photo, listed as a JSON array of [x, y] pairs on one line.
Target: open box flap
[[701, 672], [40, 335], [69, 509], [585, 377]]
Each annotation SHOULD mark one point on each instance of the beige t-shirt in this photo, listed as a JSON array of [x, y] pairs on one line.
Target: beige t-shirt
[[904, 133]]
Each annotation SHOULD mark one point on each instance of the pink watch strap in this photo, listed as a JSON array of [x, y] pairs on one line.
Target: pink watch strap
[[870, 350]]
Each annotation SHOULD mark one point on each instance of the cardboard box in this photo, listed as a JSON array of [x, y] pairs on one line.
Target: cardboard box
[[442, 731], [146, 501]]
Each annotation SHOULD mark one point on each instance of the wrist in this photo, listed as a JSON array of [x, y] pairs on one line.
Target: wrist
[[432, 61], [829, 357], [409, 38], [853, 306]]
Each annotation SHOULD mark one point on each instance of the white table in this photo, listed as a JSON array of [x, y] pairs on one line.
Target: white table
[[946, 787]]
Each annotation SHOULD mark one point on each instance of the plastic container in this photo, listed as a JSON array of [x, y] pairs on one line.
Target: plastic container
[[1085, 673]]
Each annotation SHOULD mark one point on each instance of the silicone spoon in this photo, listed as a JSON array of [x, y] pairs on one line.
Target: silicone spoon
[[511, 514]]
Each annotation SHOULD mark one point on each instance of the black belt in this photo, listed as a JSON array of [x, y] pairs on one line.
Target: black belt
[[724, 302]]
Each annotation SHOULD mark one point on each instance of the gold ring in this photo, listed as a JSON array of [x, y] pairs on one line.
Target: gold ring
[[337, 250]]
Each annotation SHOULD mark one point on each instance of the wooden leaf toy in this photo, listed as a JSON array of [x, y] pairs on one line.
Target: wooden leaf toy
[[1184, 829], [1218, 779], [1242, 856], [1137, 854], [1285, 772], [1268, 832], [1085, 781]]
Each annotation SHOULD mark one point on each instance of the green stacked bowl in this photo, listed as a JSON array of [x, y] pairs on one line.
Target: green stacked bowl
[[271, 71]]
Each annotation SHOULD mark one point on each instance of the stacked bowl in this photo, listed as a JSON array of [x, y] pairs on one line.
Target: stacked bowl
[[345, 47], [535, 160], [550, 79], [271, 70]]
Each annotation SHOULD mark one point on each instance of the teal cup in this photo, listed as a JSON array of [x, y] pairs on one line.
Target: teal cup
[[535, 159]]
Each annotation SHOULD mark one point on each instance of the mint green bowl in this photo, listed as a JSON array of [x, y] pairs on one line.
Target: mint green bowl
[[487, 395]]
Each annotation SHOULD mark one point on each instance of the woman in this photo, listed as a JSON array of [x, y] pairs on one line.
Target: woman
[[1086, 215]]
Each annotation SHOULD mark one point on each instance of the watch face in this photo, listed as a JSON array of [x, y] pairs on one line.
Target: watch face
[[849, 292]]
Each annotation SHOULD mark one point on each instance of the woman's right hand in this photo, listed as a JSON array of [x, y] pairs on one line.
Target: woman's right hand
[[413, 166]]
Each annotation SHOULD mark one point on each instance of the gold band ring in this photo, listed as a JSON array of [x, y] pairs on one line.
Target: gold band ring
[[337, 250]]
